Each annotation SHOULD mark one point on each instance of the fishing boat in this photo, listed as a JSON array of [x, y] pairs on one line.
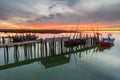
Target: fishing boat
[[74, 42], [27, 37], [107, 41]]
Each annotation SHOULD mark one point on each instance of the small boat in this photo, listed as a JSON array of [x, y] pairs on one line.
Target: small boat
[[107, 41], [27, 37], [74, 42]]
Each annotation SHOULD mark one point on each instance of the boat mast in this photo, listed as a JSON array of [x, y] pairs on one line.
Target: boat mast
[[76, 30]]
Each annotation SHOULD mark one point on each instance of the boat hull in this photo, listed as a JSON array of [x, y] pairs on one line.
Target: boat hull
[[105, 43]]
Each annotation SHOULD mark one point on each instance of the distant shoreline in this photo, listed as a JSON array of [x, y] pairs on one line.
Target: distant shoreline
[[32, 31], [43, 31]]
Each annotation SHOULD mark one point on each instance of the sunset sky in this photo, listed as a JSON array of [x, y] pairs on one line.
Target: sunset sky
[[58, 14]]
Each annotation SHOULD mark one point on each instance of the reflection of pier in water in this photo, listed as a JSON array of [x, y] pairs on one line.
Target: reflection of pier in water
[[36, 52]]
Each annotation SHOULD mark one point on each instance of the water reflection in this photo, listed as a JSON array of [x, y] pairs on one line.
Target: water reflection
[[33, 62], [29, 53], [102, 48], [53, 61]]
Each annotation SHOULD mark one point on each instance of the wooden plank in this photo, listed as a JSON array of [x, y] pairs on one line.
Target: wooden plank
[[57, 39], [20, 43]]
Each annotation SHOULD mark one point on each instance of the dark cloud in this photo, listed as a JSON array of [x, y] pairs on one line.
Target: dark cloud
[[51, 19], [52, 6], [68, 2], [10, 10], [72, 2], [105, 14], [60, 11]]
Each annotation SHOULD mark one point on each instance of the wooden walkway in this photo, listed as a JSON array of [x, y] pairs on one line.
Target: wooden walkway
[[19, 43]]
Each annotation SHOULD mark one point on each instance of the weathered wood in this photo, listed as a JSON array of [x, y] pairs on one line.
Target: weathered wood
[[46, 50], [42, 48], [18, 44], [61, 46]]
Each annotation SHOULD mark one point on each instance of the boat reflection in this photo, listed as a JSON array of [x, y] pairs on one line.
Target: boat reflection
[[102, 48]]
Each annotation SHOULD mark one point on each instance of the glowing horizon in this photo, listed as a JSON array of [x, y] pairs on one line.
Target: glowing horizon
[[89, 26]]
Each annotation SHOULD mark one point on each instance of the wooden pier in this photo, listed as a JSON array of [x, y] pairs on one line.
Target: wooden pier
[[18, 44], [40, 50], [49, 51]]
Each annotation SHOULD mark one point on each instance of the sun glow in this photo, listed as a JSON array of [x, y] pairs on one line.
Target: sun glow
[[91, 27]]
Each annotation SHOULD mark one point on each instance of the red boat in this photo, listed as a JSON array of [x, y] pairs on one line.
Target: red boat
[[106, 42], [102, 43]]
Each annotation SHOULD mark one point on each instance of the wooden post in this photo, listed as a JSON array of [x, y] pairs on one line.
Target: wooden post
[[30, 47], [34, 50], [16, 53], [46, 48], [53, 46], [25, 51], [91, 41], [6, 55], [0, 40], [28, 51], [49, 49], [61, 45], [38, 49], [41, 48], [3, 40]]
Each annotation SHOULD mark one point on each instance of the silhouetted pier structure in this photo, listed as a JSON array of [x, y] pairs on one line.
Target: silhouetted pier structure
[[17, 38], [50, 52]]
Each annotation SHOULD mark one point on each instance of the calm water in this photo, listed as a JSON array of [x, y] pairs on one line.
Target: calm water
[[93, 64]]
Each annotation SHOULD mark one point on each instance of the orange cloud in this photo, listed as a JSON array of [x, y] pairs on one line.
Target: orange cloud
[[93, 26], [8, 25], [65, 26]]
